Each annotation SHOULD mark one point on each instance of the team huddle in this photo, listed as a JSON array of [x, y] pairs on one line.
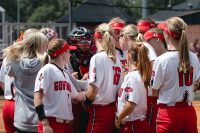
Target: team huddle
[[121, 79]]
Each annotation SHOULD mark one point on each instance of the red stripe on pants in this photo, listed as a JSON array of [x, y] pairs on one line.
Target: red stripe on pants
[[101, 118], [8, 115], [56, 126], [136, 126]]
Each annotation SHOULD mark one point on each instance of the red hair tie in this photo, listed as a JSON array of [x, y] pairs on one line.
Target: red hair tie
[[149, 35], [98, 35], [20, 38], [143, 26], [63, 49], [117, 25]]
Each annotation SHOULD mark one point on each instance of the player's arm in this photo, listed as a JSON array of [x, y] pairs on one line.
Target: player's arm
[[127, 110], [155, 92], [39, 107]]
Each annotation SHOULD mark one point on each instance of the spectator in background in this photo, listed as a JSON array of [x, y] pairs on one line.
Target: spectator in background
[[195, 47], [49, 33]]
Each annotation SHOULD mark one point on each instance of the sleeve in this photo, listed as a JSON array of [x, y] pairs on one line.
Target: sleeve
[[95, 72], [156, 76], [132, 91], [10, 69], [74, 92], [2, 72], [43, 81], [152, 54]]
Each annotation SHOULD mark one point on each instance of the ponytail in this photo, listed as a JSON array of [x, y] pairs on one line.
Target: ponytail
[[184, 60], [144, 65], [108, 45], [139, 55], [178, 27], [46, 59]]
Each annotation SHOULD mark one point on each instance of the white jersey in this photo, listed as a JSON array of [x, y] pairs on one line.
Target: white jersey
[[8, 82], [121, 55], [58, 91], [133, 90], [152, 54], [106, 76], [174, 86]]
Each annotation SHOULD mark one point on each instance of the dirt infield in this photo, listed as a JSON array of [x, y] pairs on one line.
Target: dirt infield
[[195, 103]]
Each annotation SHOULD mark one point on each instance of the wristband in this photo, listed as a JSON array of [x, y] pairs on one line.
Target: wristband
[[87, 101], [40, 111]]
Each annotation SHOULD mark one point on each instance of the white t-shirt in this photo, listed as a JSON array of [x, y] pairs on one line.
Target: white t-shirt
[[106, 76], [133, 90], [121, 55], [7, 81], [58, 91], [152, 54], [172, 84]]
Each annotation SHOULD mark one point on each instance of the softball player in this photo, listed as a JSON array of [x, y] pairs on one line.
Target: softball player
[[105, 75], [54, 90], [132, 100], [173, 77], [130, 34], [117, 24], [145, 24], [155, 38]]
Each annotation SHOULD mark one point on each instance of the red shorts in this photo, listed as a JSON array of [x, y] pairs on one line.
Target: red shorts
[[101, 118], [180, 118], [8, 115], [58, 127], [136, 126], [152, 110]]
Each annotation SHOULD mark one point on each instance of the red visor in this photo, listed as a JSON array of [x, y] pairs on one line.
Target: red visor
[[149, 35], [165, 28], [63, 49], [117, 25], [143, 26]]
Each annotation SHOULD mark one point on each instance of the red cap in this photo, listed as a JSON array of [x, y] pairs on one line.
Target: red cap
[[164, 27], [149, 35], [117, 25], [63, 49], [143, 26]]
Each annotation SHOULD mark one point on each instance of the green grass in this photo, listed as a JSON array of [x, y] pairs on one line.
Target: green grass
[[197, 96]]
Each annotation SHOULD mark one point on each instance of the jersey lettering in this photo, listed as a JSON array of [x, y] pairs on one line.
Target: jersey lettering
[[186, 79], [123, 62], [62, 85], [116, 77]]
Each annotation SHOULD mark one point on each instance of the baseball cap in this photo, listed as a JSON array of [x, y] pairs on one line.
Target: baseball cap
[[117, 25], [63, 49]]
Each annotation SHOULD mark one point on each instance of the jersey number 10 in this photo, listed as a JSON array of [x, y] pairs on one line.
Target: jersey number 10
[[186, 79], [116, 77]]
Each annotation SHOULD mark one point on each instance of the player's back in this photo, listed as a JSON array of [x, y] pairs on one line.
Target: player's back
[[108, 74]]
